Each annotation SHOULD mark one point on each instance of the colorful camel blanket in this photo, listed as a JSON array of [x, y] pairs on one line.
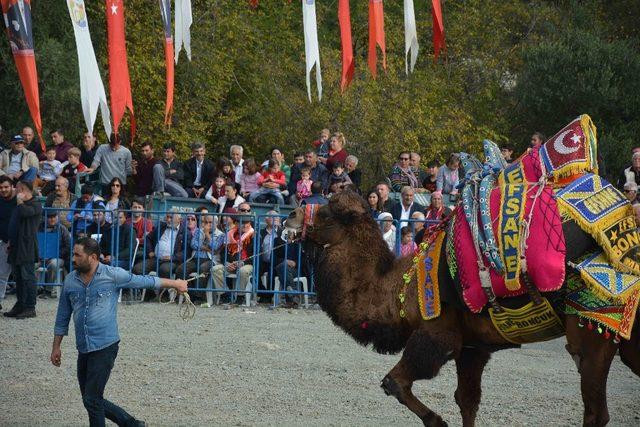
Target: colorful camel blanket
[[608, 314], [603, 280], [606, 214], [545, 253]]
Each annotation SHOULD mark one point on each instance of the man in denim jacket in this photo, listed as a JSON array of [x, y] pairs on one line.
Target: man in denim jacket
[[90, 293]]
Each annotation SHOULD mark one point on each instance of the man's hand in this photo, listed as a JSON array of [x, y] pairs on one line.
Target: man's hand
[[172, 171], [197, 192], [56, 356], [232, 266], [180, 285], [291, 263], [89, 171], [107, 259]]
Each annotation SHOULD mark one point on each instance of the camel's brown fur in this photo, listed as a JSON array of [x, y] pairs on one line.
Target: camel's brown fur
[[357, 282]]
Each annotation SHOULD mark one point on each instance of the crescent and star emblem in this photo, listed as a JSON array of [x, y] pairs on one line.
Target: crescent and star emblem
[[560, 147]]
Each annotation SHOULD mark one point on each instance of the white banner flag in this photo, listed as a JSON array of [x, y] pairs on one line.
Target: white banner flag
[[92, 91], [311, 49], [184, 19], [410, 35]]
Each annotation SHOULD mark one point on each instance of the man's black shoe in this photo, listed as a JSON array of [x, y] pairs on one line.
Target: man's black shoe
[[26, 313], [13, 312]]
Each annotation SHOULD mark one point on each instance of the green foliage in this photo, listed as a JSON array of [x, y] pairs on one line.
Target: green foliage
[[511, 67]]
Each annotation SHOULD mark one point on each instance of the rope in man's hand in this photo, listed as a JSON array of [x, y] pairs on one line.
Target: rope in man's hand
[[188, 309]]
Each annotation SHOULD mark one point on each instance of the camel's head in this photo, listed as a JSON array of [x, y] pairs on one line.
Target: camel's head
[[326, 225]]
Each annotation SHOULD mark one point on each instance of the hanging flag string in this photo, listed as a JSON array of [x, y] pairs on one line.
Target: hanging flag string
[[311, 48], [348, 64], [438, 29], [376, 36], [184, 19], [410, 36], [165, 12]]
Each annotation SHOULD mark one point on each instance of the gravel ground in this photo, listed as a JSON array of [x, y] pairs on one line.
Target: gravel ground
[[275, 367]]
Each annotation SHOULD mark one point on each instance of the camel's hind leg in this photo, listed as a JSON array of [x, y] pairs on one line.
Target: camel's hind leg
[[593, 355], [422, 359], [470, 365]]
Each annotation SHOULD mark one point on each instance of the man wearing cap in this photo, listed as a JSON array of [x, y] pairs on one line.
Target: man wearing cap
[[60, 259], [81, 210], [632, 173], [18, 163]]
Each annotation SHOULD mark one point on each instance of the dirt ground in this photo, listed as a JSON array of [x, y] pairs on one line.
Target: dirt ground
[[275, 367]]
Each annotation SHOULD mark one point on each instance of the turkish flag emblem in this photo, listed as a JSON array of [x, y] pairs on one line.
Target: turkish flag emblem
[[567, 146]]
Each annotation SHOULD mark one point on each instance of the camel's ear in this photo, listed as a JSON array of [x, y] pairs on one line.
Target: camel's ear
[[347, 206]]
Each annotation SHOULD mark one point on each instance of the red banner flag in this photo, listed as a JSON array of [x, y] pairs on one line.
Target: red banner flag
[[165, 10], [17, 19], [438, 29], [376, 36], [119, 84], [348, 64]]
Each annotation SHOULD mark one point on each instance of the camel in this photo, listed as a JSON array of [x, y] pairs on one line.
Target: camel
[[357, 283]]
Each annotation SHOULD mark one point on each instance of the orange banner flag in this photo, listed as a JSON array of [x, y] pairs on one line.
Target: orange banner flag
[[376, 36], [348, 64]]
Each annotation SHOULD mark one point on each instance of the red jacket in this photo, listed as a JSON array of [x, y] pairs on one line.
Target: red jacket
[[278, 177]]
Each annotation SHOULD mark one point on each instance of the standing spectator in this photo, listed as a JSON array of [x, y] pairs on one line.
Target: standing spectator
[[114, 160], [89, 148], [448, 178], [198, 172], [238, 248], [507, 152], [384, 190], [31, 142], [337, 153], [319, 172], [81, 210], [350, 165], [437, 210], [92, 292], [632, 173], [338, 179], [141, 225], [414, 162], [388, 230], [7, 206], [537, 139], [143, 170], [403, 210], [19, 163], [236, 152], [322, 145], [375, 204], [430, 181], [250, 178], [216, 190], [272, 180], [115, 199], [407, 245], [61, 197], [62, 146], [231, 198], [168, 173], [50, 169], [23, 250], [303, 187], [402, 174], [73, 168], [56, 231]]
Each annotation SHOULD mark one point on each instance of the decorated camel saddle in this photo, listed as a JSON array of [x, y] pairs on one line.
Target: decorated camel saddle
[[506, 238]]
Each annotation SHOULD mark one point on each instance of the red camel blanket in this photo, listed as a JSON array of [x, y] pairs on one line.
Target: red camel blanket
[[545, 250]]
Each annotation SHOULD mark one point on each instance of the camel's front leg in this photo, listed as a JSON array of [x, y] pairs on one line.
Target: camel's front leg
[[422, 359], [470, 365]]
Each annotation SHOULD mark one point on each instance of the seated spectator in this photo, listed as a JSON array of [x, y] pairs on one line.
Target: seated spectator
[[507, 152], [436, 210], [403, 210], [61, 146], [142, 170], [238, 248], [407, 246], [61, 197], [168, 173], [388, 230], [402, 175], [207, 240], [384, 189], [417, 226], [198, 172], [250, 178], [142, 226], [631, 192], [231, 198], [287, 257], [115, 198], [374, 203], [99, 227], [50, 169], [303, 186], [448, 178], [429, 183], [114, 160], [89, 148], [414, 162], [338, 179], [316, 197], [116, 246], [276, 154], [31, 142], [235, 153], [322, 145], [73, 167], [56, 231], [298, 159], [319, 173], [81, 210], [272, 179], [337, 152], [632, 173], [225, 168], [216, 190], [268, 236], [350, 166], [166, 247], [18, 163]]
